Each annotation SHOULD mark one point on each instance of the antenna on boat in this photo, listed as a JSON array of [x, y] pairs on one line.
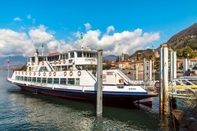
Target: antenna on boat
[[42, 46], [81, 38]]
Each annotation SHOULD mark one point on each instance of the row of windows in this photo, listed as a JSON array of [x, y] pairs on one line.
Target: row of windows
[[62, 81]]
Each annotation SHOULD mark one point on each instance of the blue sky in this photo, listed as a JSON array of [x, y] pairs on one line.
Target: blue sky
[[115, 26]]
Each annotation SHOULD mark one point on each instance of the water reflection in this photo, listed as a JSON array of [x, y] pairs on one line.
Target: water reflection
[[40, 112]]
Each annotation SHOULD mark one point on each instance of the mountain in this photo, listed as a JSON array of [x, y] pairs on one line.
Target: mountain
[[186, 37], [14, 61], [110, 58]]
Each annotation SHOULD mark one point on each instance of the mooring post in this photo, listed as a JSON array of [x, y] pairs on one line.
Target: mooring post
[[144, 70], [165, 80], [150, 69], [161, 82], [136, 73], [99, 102]]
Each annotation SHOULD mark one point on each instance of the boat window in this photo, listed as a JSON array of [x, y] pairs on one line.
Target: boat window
[[50, 80], [70, 61], [71, 54], [34, 79], [79, 54], [28, 78], [63, 81], [71, 81], [38, 79], [77, 81], [33, 59], [21, 78], [25, 78], [66, 55], [56, 80], [64, 68], [44, 80], [16, 78]]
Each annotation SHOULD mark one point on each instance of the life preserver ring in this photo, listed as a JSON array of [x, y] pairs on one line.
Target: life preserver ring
[[59, 61], [71, 73], [157, 84], [44, 74], [65, 73], [42, 62], [79, 73], [38, 73], [49, 73], [121, 81], [54, 73], [34, 73], [64, 61]]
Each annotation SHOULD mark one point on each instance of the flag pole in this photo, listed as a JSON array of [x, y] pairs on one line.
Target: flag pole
[[8, 66], [81, 37]]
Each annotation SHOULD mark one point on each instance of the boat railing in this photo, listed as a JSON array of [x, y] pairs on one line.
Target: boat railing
[[90, 73], [49, 65], [126, 78]]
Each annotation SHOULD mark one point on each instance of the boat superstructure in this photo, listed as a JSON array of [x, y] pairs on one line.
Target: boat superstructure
[[73, 75]]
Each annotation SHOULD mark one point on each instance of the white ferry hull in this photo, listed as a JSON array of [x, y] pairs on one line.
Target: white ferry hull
[[108, 96]]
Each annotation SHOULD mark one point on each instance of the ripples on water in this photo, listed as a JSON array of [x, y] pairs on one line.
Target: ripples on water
[[22, 111]]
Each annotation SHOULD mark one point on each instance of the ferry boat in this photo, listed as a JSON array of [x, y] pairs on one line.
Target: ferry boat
[[69, 75]]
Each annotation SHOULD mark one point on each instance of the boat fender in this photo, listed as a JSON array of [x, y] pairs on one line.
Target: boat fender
[[49, 73], [59, 61], [121, 81], [65, 73], [71, 73], [22, 72], [34, 73], [64, 61], [54, 73], [42, 62], [30, 73], [15, 72], [38, 73], [26, 72], [79, 73], [54, 62], [44, 73]]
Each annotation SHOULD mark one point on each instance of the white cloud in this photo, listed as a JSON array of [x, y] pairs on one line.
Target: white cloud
[[88, 26], [39, 35], [110, 28], [17, 19], [126, 41], [28, 16], [12, 42]]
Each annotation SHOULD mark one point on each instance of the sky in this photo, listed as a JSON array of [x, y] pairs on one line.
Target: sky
[[115, 26]]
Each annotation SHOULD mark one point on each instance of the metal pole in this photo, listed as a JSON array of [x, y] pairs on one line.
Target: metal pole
[[165, 76], [144, 70], [161, 82], [150, 70], [99, 103], [174, 65]]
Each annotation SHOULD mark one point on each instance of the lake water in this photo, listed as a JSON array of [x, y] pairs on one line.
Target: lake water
[[24, 111]]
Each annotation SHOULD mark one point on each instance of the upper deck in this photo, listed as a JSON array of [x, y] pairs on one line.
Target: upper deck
[[72, 60]]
